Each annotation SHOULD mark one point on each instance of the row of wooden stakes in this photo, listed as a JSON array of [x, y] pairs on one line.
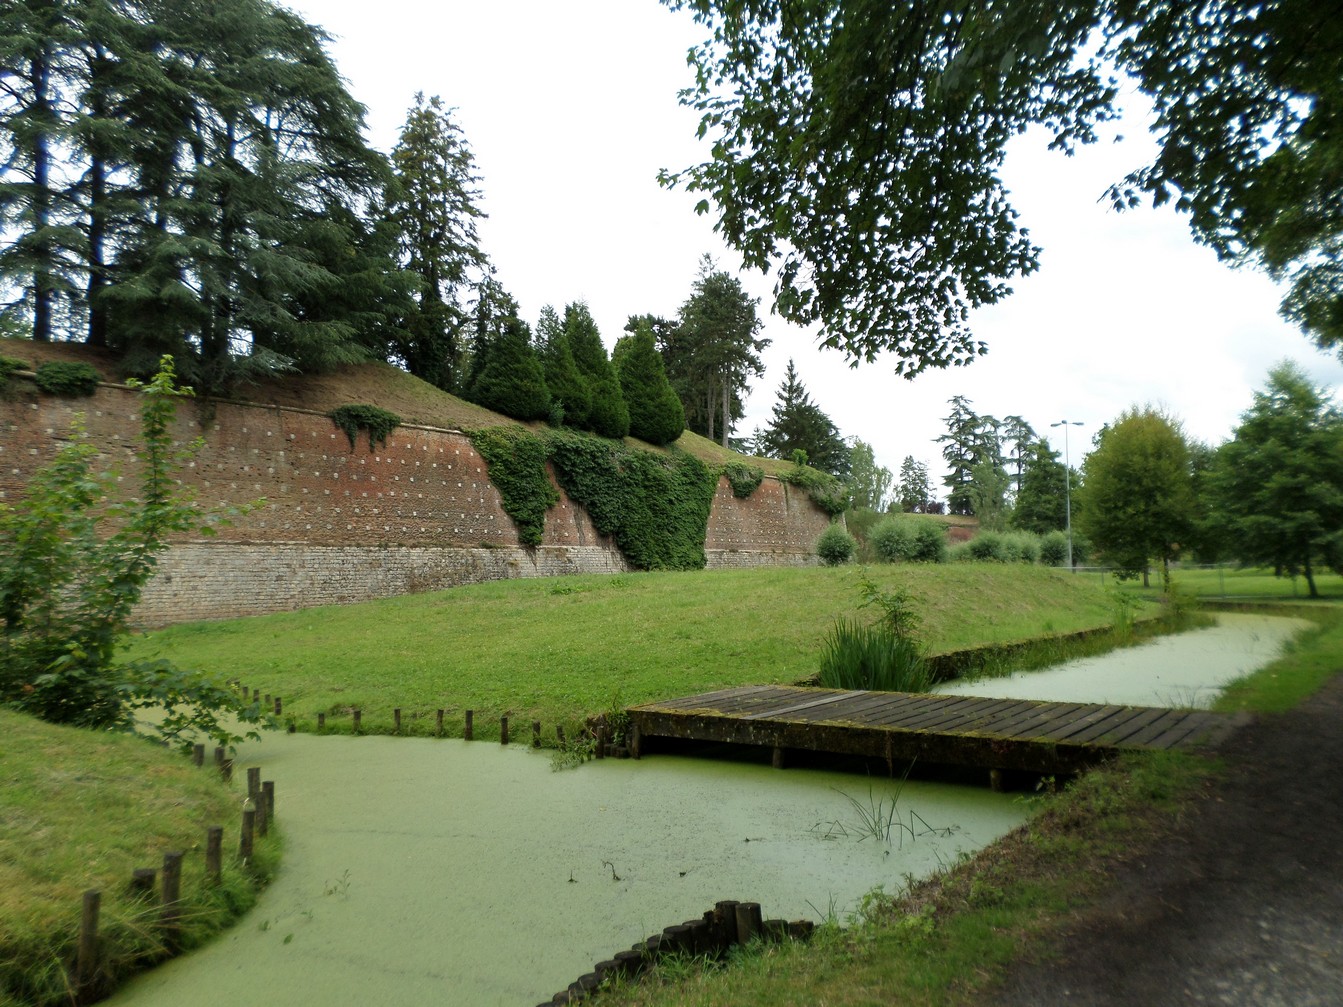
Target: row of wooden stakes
[[726, 925], [601, 749], [258, 813]]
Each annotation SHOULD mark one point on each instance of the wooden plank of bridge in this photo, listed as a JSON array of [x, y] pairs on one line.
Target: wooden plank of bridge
[[959, 728]]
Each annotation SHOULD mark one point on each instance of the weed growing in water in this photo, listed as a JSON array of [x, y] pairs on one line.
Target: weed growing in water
[[341, 886]]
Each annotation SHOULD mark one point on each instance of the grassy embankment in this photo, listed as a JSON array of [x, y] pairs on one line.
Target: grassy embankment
[[82, 810], [559, 650], [947, 940]]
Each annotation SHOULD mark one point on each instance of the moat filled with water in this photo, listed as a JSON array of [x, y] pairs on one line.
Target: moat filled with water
[[419, 870]]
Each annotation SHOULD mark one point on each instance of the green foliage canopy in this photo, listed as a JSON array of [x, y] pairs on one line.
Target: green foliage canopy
[[656, 413], [1278, 483], [798, 424], [1137, 499], [858, 144], [433, 210]]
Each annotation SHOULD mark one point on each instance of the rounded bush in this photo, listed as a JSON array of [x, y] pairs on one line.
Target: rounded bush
[[893, 541], [960, 553], [1021, 547], [930, 542], [988, 547], [835, 546], [1054, 549]]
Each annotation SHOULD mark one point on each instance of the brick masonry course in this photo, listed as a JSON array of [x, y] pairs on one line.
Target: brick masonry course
[[344, 524]]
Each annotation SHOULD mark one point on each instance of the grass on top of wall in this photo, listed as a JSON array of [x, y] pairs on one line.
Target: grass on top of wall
[[559, 649]]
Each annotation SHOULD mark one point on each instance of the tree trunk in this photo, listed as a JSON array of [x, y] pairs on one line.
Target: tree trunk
[[1310, 576], [727, 409], [41, 155]]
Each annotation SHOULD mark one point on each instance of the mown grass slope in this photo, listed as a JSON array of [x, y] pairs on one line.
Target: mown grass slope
[[556, 650]]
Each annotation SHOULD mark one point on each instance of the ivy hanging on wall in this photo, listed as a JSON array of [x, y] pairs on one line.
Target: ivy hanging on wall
[[377, 422], [517, 467], [825, 491], [655, 506], [744, 479]]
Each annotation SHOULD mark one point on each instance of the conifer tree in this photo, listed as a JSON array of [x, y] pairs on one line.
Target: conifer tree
[[571, 399], [656, 414], [433, 208], [608, 415]]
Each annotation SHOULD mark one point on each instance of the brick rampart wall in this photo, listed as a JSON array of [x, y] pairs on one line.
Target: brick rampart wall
[[341, 525]]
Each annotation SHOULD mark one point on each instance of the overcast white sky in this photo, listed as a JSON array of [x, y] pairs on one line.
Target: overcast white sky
[[570, 109]]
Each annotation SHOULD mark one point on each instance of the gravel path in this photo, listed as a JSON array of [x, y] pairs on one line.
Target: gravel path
[[1243, 904]]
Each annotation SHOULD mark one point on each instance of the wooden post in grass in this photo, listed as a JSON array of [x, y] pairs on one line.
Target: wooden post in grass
[[470, 726], [321, 723], [396, 716], [214, 854], [358, 716], [559, 734], [248, 826], [268, 798], [198, 755], [438, 724], [279, 705], [536, 734], [262, 820], [253, 781], [503, 730], [601, 742], [171, 914], [220, 755], [86, 964], [748, 921]]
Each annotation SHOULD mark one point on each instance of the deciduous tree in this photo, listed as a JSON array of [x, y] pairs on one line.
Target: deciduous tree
[[858, 145], [1137, 500], [869, 483]]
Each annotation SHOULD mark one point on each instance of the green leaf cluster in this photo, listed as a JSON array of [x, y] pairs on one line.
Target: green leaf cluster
[[655, 506], [744, 479], [68, 585], [835, 546], [68, 379], [825, 491], [857, 148], [375, 421], [517, 467]]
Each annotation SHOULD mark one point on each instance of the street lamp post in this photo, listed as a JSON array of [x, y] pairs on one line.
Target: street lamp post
[[1068, 483]]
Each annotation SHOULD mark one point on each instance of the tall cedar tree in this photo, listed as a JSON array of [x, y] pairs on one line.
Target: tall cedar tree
[[714, 351], [970, 444], [798, 424], [570, 397], [188, 179], [608, 414], [656, 415], [433, 207], [1278, 483], [857, 147]]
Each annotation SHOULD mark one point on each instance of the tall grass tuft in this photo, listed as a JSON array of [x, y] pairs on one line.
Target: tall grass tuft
[[854, 656]]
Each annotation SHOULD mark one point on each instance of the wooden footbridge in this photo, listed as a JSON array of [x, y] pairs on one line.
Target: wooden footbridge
[[994, 734]]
